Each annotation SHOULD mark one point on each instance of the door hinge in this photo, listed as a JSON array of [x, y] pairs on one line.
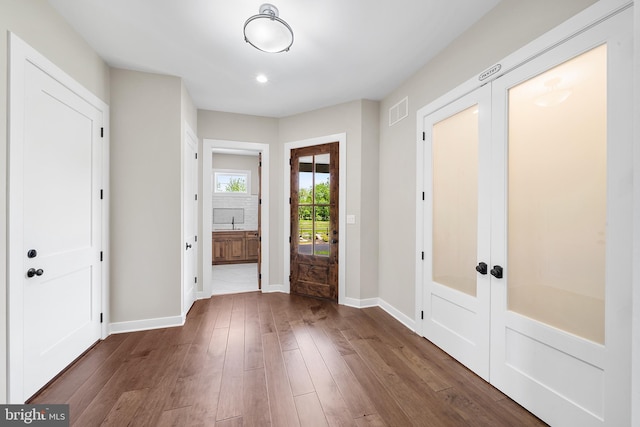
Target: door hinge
[[101, 318], [260, 239], [101, 132], [101, 194], [260, 164], [423, 195], [196, 197], [289, 200], [195, 280], [289, 239], [259, 201], [196, 238], [289, 162], [196, 156], [101, 256], [424, 136], [423, 256], [422, 315], [259, 276]]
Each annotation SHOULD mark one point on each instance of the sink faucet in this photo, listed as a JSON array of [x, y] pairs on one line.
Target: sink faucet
[[233, 225]]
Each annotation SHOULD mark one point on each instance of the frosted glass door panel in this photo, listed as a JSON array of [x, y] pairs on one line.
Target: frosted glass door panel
[[455, 201], [557, 195]]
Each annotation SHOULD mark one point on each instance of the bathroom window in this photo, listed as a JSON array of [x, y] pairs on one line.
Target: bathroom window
[[232, 181]]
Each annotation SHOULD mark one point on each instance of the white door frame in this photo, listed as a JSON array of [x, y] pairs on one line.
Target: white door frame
[[341, 138], [20, 54], [208, 148]]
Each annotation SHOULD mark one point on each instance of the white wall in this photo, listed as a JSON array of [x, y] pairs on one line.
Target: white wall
[[146, 203], [37, 23], [506, 28]]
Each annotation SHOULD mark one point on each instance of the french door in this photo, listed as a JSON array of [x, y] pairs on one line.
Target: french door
[[457, 312], [528, 229], [314, 221]]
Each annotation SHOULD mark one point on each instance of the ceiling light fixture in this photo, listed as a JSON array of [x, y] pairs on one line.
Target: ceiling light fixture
[[262, 78], [268, 33]]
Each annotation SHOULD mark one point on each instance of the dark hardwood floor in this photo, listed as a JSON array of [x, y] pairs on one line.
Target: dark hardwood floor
[[281, 360]]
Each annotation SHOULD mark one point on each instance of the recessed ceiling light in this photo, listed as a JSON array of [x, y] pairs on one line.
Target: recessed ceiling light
[[262, 78]]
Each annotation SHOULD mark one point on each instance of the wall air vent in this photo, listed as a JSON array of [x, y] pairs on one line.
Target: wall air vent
[[399, 111]]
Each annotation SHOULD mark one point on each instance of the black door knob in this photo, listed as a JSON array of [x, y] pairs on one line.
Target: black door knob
[[481, 268], [33, 272], [496, 272]]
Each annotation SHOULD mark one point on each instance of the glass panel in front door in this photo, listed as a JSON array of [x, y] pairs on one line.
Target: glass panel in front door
[[455, 200], [322, 219], [557, 195], [314, 216]]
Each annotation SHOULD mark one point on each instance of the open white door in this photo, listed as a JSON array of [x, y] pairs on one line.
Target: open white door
[[190, 220], [55, 217], [456, 297]]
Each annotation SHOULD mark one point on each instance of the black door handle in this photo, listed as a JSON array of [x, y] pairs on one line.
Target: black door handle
[[188, 246], [33, 272], [481, 268], [496, 272]]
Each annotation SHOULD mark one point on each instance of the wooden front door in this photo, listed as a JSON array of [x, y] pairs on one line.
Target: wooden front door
[[314, 221]]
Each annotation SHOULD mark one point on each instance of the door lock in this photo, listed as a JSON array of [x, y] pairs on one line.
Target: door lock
[[33, 272], [32, 253], [188, 246]]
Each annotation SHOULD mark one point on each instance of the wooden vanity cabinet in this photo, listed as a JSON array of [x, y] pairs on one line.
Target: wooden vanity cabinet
[[234, 247], [252, 245]]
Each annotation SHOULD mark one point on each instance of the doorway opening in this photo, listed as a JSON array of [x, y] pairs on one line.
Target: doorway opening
[[235, 205]]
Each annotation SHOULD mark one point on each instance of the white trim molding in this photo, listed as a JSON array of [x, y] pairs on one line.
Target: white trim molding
[[146, 324]]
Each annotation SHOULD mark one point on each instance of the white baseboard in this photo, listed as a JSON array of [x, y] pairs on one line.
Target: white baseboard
[[274, 288], [361, 303], [379, 302], [397, 314], [145, 324]]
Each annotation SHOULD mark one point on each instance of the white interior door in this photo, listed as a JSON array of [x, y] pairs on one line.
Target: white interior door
[[55, 227], [457, 218], [562, 162], [554, 220], [190, 221]]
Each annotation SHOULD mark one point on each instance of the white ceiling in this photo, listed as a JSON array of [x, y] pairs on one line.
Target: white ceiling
[[343, 49]]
